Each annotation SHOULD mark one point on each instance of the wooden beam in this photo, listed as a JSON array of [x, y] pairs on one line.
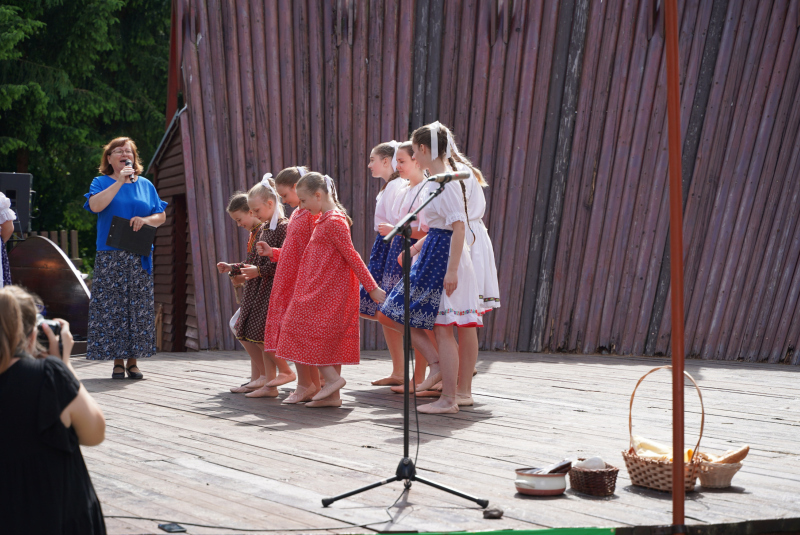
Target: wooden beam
[[676, 247]]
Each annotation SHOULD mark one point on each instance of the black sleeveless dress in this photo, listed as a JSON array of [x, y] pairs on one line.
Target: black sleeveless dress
[[45, 484]]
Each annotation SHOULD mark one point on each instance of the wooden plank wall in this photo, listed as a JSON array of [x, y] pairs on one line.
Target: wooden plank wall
[[563, 107], [172, 241]]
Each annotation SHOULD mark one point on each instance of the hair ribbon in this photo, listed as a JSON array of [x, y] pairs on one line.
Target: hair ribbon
[[273, 223]]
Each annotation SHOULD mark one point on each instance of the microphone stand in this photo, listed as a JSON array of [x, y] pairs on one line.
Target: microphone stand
[[406, 471]]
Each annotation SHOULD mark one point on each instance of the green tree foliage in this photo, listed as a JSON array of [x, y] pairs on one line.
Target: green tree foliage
[[74, 74]]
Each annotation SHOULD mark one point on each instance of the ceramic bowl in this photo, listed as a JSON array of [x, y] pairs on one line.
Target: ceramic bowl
[[540, 484]]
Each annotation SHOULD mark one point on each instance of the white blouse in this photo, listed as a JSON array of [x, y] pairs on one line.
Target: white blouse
[[447, 208], [407, 200], [385, 201]]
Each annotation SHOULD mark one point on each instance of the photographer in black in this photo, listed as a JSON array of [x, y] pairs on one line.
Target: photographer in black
[[45, 415]]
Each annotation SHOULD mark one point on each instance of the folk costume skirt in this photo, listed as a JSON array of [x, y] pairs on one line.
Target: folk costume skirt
[[427, 283], [482, 255], [122, 309], [377, 263]]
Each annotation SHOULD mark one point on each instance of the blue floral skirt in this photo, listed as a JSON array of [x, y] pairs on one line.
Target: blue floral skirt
[[122, 309], [427, 283], [377, 261], [392, 273]]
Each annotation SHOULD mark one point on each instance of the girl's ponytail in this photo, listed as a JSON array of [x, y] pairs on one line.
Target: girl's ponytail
[[387, 149], [314, 181]]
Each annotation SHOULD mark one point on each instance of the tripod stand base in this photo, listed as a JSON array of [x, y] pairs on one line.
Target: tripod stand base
[[407, 472]]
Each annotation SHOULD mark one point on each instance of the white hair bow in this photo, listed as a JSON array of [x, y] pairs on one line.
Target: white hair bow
[[434, 128], [329, 184], [273, 223], [301, 171], [394, 144]]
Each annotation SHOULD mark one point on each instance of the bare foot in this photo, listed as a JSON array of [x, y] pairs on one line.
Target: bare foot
[[327, 402], [263, 392], [445, 405], [400, 389], [430, 381], [464, 400], [255, 384], [429, 393], [437, 386], [329, 389], [392, 380], [309, 394], [300, 395], [282, 379]]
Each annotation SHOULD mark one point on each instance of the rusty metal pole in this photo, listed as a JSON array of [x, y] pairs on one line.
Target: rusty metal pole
[[676, 259]]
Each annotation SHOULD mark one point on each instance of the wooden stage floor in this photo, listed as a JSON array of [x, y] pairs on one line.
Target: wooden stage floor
[[180, 447]]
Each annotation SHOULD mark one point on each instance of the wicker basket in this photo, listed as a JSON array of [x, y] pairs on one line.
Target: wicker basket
[[717, 475], [594, 482], [658, 474]]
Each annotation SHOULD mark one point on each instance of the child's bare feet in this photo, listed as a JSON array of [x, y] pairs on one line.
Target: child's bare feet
[[300, 395], [444, 405], [330, 401], [282, 379], [433, 377], [263, 392], [429, 393], [392, 380], [400, 389], [464, 400], [329, 389], [249, 387]]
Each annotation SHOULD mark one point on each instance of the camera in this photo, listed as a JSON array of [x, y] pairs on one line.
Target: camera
[[41, 337]]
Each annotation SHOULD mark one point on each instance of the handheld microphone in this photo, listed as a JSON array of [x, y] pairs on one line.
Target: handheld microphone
[[129, 163], [444, 178]]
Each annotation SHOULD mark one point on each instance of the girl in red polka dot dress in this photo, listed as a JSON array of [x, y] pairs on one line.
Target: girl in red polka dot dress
[[287, 257], [321, 325]]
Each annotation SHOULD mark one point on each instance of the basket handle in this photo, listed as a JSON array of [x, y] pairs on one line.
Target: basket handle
[[702, 409]]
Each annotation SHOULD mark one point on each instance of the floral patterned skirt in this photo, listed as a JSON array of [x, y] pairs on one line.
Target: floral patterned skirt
[[6, 274], [377, 263], [427, 283], [122, 309]]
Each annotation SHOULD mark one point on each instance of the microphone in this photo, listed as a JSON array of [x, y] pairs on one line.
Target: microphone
[[129, 163], [444, 178]]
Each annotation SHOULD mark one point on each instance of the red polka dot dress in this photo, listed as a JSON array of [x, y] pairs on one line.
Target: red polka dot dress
[[321, 326], [288, 257]]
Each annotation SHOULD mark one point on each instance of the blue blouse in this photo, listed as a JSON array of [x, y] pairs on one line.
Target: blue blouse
[[137, 199]]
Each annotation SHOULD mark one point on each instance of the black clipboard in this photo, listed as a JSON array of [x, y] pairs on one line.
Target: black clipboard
[[122, 236]]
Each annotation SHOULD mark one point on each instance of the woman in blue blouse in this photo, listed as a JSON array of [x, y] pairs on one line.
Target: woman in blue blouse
[[121, 312]]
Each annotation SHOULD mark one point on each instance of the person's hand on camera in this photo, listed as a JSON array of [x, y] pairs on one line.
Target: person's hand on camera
[[52, 340], [67, 341]]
